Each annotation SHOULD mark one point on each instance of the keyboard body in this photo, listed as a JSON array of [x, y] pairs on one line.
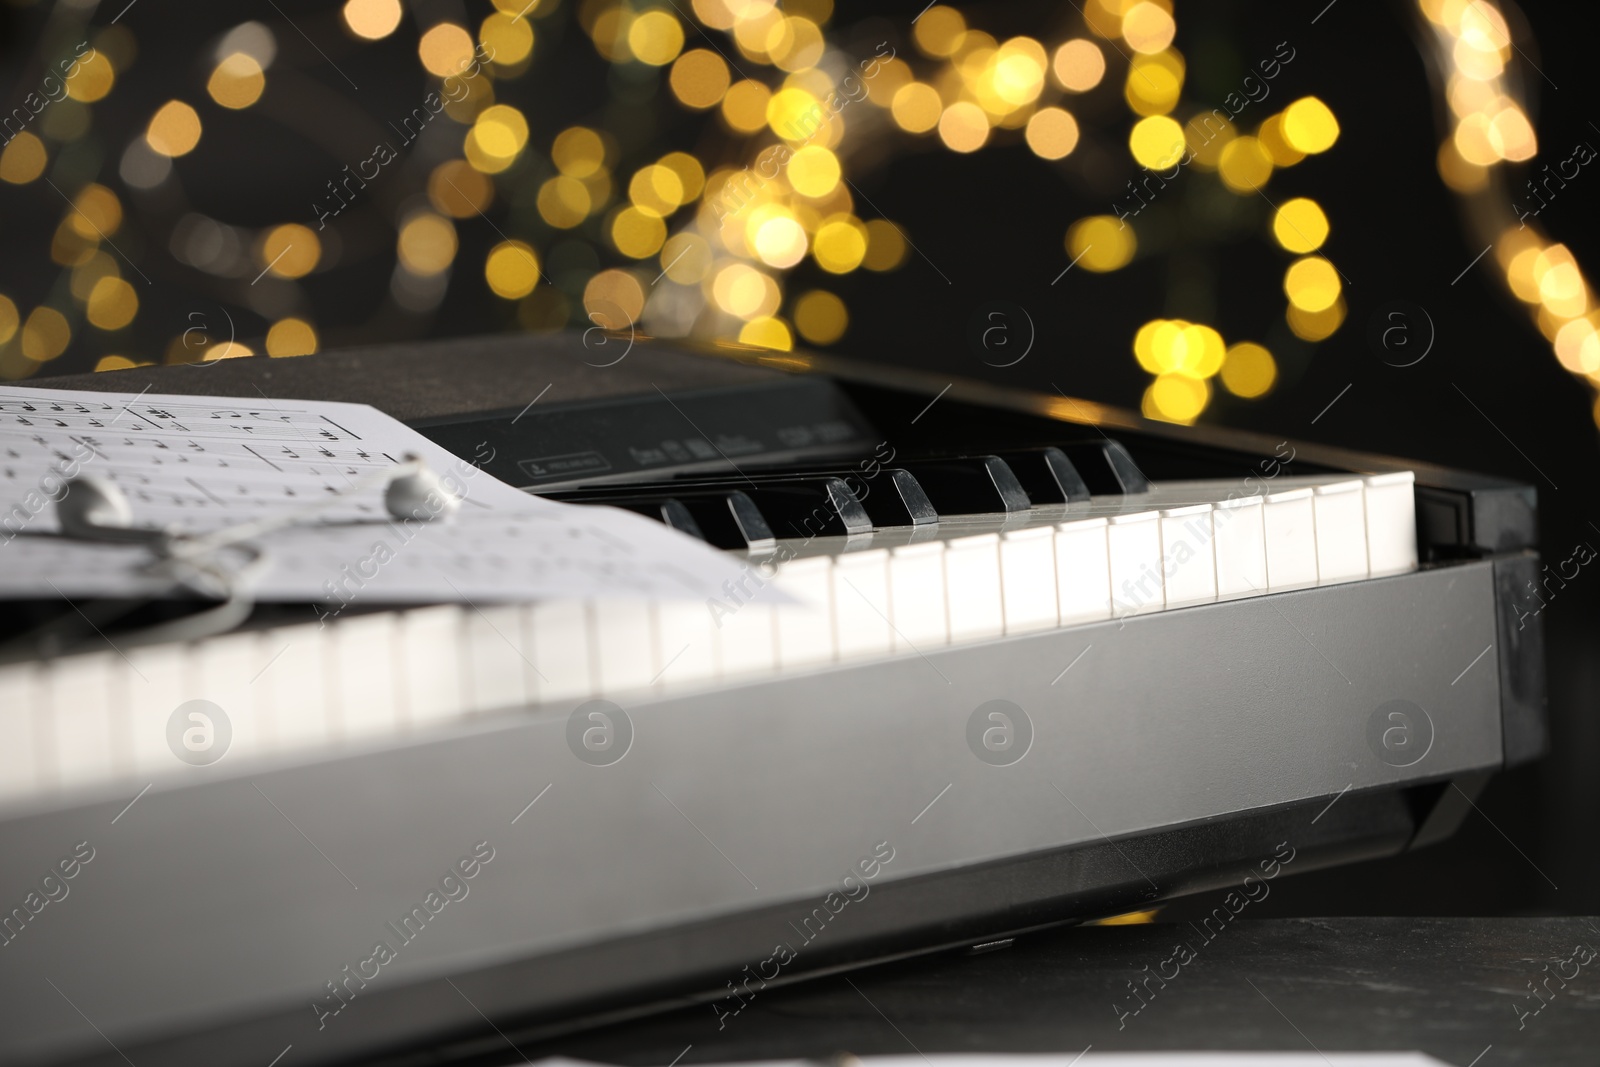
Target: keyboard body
[[547, 817]]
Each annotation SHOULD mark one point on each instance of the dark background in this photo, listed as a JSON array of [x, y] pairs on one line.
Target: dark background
[[1489, 396]]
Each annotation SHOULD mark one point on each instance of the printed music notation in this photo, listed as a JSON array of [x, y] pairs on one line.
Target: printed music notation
[[197, 464]]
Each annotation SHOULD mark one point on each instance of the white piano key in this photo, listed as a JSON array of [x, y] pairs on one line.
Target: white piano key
[[162, 684], [1341, 517], [223, 669], [861, 604], [625, 644], [1188, 554], [1083, 571], [361, 665], [80, 701], [1028, 579], [805, 629], [917, 596], [1391, 522], [1241, 546], [494, 655], [972, 587], [561, 651], [686, 640], [746, 643], [431, 665], [1134, 546], [21, 772], [302, 712], [1289, 520]]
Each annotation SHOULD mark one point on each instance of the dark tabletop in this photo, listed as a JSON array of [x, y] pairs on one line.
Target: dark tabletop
[[1457, 989]]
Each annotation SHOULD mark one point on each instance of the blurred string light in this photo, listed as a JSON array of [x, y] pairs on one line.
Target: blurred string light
[[1489, 135], [699, 244]]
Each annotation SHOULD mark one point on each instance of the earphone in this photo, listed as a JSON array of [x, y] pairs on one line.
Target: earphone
[[95, 509]]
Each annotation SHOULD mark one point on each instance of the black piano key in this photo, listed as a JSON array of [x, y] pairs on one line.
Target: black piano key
[[722, 517], [892, 497], [733, 521], [1047, 475], [670, 512], [1106, 467], [799, 507], [977, 485]]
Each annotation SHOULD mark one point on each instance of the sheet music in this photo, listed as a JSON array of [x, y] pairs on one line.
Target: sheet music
[[197, 464]]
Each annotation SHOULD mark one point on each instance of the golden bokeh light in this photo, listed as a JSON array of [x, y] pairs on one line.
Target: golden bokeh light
[[691, 176], [372, 19], [1079, 65], [506, 38], [1148, 28], [94, 78], [744, 105], [1244, 165], [427, 243], [840, 245], [613, 299], [237, 82], [699, 79], [638, 234], [289, 251], [1280, 151], [496, 138], [798, 45], [744, 292], [1309, 126], [1157, 142], [916, 107], [1052, 133], [766, 332], [1154, 83], [445, 49], [963, 127], [938, 31], [779, 240], [1101, 243], [1316, 325], [45, 334], [112, 304], [1249, 370], [656, 190], [794, 114], [578, 152], [291, 337], [886, 246], [1300, 225], [1311, 284], [1015, 74], [458, 190], [655, 37], [9, 320], [96, 212], [820, 317], [511, 269], [814, 172], [564, 202], [174, 130], [23, 159], [1176, 398]]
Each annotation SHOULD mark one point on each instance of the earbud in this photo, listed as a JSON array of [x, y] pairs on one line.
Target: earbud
[[415, 491], [94, 509]]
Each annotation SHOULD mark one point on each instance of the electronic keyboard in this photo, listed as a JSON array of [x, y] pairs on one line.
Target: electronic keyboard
[[996, 660]]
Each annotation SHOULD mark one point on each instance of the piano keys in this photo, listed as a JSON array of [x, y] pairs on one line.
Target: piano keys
[[1191, 631]]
